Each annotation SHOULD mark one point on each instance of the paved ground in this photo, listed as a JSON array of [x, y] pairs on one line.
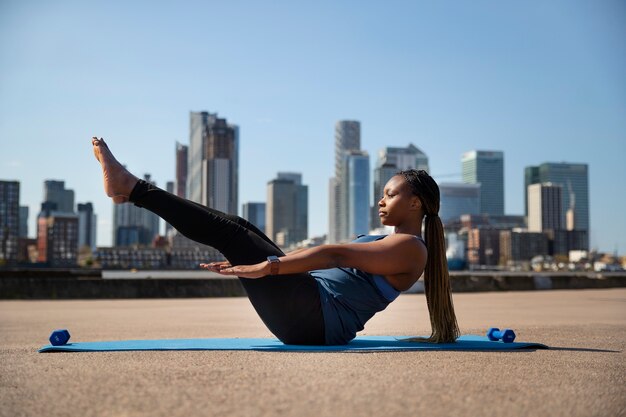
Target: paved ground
[[583, 375]]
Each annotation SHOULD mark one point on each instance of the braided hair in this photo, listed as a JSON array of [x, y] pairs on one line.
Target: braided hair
[[445, 328]]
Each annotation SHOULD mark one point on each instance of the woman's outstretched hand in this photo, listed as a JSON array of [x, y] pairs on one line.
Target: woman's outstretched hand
[[243, 271]]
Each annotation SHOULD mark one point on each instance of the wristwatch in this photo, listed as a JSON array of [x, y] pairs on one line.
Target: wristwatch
[[274, 263]]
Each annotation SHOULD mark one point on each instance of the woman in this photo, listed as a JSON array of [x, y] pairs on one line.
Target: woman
[[321, 295]]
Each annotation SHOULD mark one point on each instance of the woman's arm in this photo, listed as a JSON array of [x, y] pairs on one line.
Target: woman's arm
[[396, 254], [293, 252]]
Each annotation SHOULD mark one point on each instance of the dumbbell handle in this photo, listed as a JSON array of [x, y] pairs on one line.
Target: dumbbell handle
[[498, 334]]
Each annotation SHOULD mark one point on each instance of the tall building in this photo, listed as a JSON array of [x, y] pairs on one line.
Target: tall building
[[347, 139], [487, 169], [255, 214], [57, 236], [458, 199], [9, 221], [544, 207], [287, 209], [182, 155], [55, 191], [213, 162], [574, 182], [134, 225], [390, 161], [357, 179], [87, 226], [24, 210], [170, 188], [531, 176]]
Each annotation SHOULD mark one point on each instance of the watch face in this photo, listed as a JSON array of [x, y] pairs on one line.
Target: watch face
[[274, 263]]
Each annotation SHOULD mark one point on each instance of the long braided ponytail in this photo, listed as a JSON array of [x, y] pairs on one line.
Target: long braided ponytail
[[445, 328]]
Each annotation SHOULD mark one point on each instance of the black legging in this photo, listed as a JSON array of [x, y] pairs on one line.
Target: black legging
[[289, 305]]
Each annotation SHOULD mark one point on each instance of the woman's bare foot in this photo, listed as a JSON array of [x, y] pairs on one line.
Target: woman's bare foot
[[118, 182]]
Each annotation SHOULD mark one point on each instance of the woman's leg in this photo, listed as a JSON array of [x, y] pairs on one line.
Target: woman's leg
[[289, 305]]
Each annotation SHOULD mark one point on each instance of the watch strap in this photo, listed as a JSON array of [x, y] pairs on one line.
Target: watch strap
[[274, 264]]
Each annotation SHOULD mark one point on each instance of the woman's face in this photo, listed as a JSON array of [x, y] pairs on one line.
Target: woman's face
[[398, 202]]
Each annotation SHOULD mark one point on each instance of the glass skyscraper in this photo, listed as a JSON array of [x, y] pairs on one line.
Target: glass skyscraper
[[213, 156], [347, 139], [487, 169], [458, 199], [255, 214], [357, 179]]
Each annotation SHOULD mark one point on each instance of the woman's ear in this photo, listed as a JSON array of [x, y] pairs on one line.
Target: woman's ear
[[416, 203]]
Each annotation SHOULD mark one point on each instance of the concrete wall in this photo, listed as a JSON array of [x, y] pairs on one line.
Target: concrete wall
[[90, 284]]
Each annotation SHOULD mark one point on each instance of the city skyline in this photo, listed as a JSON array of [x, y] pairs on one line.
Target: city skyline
[[445, 187], [539, 82]]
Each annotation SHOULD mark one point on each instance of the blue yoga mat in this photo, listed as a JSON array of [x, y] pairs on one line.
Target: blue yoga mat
[[359, 344]]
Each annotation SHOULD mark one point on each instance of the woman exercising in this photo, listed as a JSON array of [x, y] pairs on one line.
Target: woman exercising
[[322, 295]]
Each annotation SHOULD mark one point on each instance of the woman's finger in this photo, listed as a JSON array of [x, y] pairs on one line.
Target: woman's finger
[[215, 265]]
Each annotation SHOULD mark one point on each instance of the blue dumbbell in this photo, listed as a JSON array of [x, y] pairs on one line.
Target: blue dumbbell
[[507, 335], [59, 337]]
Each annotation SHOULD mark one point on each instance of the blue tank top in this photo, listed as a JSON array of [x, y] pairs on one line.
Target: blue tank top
[[350, 297]]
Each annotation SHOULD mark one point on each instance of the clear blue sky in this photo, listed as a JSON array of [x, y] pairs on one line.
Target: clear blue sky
[[541, 81]]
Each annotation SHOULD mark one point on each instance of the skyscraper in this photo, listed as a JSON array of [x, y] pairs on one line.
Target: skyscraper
[[55, 192], [9, 220], [487, 169], [87, 222], [170, 188], [545, 210], [134, 225], [347, 139], [574, 182], [458, 199], [357, 179], [213, 162], [182, 156], [287, 209], [255, 214], [390, 161], [531, 176]]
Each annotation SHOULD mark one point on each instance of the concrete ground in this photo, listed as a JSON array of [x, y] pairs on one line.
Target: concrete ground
[[583, 374]]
